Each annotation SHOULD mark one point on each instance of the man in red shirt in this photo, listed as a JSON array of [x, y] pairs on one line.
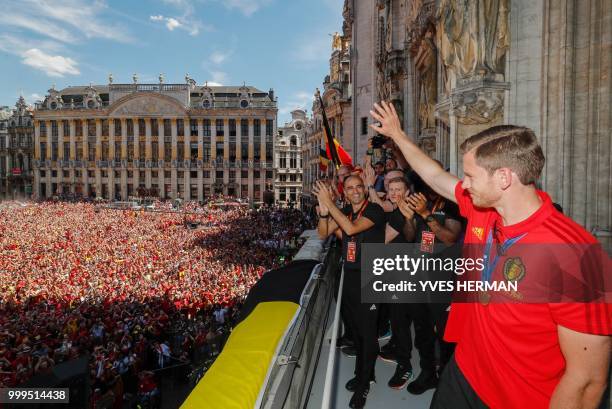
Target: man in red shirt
[[512, 355]]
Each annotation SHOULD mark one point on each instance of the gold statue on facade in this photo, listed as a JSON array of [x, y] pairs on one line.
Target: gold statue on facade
[[336, 41]]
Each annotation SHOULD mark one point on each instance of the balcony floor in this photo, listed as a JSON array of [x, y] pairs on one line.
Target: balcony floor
[[381, 396]]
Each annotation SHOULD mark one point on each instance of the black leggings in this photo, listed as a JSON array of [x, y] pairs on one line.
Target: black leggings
[[362, 322]]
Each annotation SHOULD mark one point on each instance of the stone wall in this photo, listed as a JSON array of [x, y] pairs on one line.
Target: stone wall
[[362, 59], [576, 109]]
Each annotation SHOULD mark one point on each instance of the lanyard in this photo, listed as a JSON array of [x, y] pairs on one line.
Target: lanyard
[[359, 213], [489, 265]]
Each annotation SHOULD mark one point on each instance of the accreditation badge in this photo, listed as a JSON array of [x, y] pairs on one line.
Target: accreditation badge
[[351, 251], [427, 241]]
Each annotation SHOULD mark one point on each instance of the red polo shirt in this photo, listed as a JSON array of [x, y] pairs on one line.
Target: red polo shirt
[[509, 352]]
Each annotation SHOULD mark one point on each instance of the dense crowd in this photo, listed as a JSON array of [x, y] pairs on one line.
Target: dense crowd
[[134, 290]]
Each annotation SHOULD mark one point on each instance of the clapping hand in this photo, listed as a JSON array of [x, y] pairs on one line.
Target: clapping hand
[[418, 203], [324, 195], [404, 207]]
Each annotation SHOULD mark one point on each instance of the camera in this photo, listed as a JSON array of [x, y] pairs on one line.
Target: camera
[[378, 141]]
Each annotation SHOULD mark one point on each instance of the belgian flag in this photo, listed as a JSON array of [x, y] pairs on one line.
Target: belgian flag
[[237, 378], [334, 150], [323, 160]]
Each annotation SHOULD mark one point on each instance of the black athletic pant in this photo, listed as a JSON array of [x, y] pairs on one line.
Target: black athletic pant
[[454, 391], [429, 325], [384, 316], [401, 321], [362, 320], [347, 330]]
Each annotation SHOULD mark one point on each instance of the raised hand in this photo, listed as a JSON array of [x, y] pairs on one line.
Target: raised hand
[[388, 121], [369, 176]]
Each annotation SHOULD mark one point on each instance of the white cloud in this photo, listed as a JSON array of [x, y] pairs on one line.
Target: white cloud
[[171, 22], [218, 78], [246, 7], [62, 20], [186, 20], [52, 65], [214, 84], [16, 44], [219, 57], [301, 100], [34, 98], [313, 49], [40, 26]]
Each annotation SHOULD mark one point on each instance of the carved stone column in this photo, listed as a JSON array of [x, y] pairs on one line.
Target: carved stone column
[[72, 123], [250, 160], [124, 160], [148, 153], [226, 169], [136, 169], [98, 171], [111, 159], [173, 173], [36, 190], [476, 104], [200, 159], [187, 159], [48, 189], [60, 155], [161, 138]]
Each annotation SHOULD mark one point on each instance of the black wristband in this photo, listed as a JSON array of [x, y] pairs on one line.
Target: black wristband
[[323, 216]]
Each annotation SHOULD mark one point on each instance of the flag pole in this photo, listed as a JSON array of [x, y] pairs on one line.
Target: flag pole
[[329, 137]]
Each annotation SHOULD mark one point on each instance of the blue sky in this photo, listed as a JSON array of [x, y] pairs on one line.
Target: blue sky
[[280, 44]]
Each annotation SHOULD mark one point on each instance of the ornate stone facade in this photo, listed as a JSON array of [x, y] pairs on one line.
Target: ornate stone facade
[[455, 67], [337, 98], [288, 160], [16, 151], [185, 141]]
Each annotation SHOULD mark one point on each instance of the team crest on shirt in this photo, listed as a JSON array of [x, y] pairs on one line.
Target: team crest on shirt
[[478, 232], [514, 269]]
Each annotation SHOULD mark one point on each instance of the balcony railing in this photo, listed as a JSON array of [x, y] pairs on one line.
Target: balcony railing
[[148, 87]]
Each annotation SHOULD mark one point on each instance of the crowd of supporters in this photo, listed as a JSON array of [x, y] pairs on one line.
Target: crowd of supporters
[[136, 291]]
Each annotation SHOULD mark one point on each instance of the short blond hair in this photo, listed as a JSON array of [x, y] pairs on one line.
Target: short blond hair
[[508, 146]]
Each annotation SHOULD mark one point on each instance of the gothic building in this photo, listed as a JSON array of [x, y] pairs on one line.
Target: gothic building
[[453, 68]]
